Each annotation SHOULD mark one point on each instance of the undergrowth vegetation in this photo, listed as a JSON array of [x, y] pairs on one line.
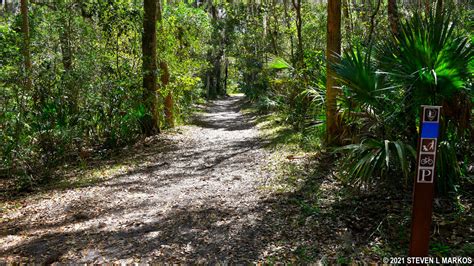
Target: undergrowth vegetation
[[335, 87], [384, 78], [85, 91]]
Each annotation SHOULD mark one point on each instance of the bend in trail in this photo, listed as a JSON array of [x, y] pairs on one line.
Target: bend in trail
[[196, 198]]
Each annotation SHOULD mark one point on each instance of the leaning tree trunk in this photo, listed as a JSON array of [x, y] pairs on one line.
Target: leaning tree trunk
[[333, 48], [150, 122]]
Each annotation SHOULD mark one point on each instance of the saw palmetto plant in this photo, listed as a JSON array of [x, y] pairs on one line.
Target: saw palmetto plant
[[427, 62]]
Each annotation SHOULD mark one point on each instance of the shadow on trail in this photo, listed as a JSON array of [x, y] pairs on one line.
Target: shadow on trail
[[221, 115], [291, 226], [273, 227]]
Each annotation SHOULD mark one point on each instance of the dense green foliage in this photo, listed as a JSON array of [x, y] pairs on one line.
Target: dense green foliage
[[90, 91], [427, 62], [87, 91], [86, 78], [384, 78]]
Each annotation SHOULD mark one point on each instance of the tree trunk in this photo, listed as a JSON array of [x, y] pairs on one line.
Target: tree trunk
[[169, 103], [427, 6], [222, 59], [67, 60], [25, 29], [299, 53], [208, 85], [226, 76], [25, 49], [373, 24], [333, 48], [66, 50], [393, 16], [165, 78], [264, 24], [287, 20], [274, 32], [217, 75], [150, 122], [217, 53], [347, 21]]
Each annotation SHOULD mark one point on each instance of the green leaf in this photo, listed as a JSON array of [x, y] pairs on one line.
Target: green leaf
[[278, 63]]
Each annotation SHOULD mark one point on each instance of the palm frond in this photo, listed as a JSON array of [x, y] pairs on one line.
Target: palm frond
[[373, 159], [427, 57], [356, 72]]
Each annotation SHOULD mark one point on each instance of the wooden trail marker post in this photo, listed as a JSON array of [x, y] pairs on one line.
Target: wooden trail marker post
[[423, 191]]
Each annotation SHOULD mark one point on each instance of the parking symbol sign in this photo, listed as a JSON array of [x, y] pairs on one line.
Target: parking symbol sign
[[425, 175]]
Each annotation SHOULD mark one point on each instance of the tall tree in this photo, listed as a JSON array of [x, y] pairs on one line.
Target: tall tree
[[66, 44], [217, 53], [274, 32], [393, 15], [347, 20], [333, 48], [25, 29], [288, 25], [150, 122], [299, 52], [25, 49]]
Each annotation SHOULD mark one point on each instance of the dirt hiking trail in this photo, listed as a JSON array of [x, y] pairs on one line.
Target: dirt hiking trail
[[194, 197]]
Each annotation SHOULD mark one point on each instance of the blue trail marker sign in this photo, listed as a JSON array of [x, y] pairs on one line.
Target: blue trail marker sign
[[423, 191]]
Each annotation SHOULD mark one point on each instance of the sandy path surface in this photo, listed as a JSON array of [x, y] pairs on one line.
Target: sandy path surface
[[194, 197]]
